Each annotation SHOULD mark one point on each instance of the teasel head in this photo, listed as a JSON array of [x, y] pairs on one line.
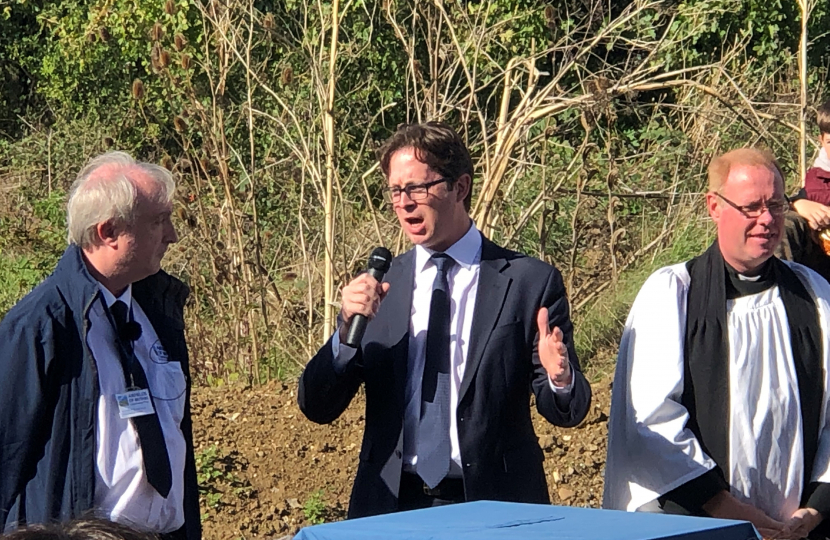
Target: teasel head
[[155, 53], [159, 58], [157, 32], [138, 89], [549, 14], [180, 124], [287, 76], [167, 162], [268, 21], [104, 34], [108, 142], [179, 42], [185, 61], [170, 7]]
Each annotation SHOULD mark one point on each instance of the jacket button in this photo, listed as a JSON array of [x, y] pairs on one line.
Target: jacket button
[[468, 465]]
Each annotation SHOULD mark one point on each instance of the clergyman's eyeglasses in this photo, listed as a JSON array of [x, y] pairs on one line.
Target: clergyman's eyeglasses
[[776, 207]]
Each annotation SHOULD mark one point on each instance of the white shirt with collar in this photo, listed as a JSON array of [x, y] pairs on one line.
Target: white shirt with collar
[[463, 281], [122, 492]]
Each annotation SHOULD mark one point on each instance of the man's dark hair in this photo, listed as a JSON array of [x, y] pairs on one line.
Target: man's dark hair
[[437, 145], [81, 529], [823, 117]]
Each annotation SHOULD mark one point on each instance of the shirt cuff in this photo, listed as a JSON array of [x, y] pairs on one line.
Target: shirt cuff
[[564, 390], [694, 494], [819, 498], [802, 194], [341, 354]]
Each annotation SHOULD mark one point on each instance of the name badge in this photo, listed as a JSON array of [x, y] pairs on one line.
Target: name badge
[[134, 403]]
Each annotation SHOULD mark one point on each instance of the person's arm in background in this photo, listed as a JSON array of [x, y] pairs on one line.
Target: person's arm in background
[[816, 214]]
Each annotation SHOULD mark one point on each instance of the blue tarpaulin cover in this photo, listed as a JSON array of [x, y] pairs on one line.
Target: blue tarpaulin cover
[[487, 520]]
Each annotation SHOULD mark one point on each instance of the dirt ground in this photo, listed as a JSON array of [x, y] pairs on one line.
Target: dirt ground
[[267, 471]]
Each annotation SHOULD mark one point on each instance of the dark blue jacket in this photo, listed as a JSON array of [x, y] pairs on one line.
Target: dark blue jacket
[[49, 393]]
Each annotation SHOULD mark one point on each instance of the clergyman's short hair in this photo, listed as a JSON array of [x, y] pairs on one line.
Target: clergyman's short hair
[[823, 117], [104, 190], [437, 145], [753, 157], [80, 529]]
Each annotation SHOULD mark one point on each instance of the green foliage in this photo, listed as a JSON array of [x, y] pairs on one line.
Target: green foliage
[[210, 472], [771, 29], [30, 247], [18, 276], [315, 509]]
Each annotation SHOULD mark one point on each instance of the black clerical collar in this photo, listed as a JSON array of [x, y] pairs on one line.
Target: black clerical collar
[[738, 285]]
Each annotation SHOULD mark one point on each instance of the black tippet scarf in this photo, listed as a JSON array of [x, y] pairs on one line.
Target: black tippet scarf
[[706, 360]]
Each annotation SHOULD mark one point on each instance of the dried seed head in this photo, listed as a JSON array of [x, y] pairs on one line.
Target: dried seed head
[[549, 17], [138, 89], [185, 61], [91, 37], [164, 59], [180, 124], [287, 76], [268, 21], [167, 162], [205, 164], [104, 34], [157, 32], [179, 42], [155, 53], [170, 7], [108, 142]]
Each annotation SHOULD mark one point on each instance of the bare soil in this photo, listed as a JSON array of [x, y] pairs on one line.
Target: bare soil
[[267, 471]]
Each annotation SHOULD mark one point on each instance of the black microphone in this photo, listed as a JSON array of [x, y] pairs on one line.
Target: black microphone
[[378, 265]]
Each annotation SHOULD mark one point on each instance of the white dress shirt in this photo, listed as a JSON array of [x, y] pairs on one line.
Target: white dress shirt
[[463, 283], [122, 492]]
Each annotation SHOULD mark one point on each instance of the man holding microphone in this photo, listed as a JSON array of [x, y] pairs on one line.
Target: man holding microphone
[[459, 330]]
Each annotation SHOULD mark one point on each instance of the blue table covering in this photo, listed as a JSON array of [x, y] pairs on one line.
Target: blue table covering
[[487, 520]]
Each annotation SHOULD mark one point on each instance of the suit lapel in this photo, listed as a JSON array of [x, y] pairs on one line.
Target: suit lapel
[[492, 291], [401, 278]]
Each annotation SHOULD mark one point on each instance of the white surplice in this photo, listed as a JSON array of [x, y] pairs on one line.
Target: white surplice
[[650, 450]]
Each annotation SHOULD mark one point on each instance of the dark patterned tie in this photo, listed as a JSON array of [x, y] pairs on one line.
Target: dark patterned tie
[[150, 436], [434, 428]]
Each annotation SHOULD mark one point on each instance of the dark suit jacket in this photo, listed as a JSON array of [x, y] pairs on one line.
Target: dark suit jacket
[[501, 458]]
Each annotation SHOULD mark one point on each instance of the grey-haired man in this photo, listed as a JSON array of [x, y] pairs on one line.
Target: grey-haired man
[[95, 393]]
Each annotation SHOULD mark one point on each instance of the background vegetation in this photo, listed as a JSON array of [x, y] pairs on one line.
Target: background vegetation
[[591, 123]]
